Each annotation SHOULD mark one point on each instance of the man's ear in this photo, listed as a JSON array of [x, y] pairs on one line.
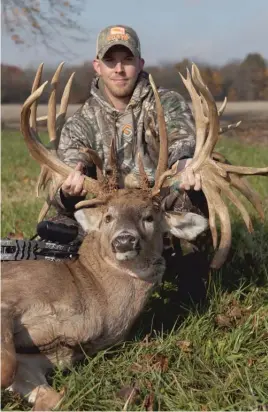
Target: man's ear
[[141, 64], [89, 219], [96, 66], [186, 225]]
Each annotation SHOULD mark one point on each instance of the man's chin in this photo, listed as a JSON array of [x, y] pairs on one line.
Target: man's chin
[[122, 91]]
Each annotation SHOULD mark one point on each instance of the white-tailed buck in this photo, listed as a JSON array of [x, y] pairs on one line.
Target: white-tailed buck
[[53, 312]]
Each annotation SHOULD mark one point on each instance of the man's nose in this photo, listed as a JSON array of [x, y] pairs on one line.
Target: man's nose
[[119, 67]]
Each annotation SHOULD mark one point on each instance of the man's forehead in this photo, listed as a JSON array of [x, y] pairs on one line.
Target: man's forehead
[[118, 49]]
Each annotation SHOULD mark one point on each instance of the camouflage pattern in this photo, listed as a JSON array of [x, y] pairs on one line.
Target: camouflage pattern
[[135, 130], [118, 35]]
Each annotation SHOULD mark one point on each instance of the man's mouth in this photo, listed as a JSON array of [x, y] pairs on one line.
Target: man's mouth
[[120, 81]]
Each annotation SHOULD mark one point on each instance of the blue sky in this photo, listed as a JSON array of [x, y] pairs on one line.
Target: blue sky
[[214, 31]]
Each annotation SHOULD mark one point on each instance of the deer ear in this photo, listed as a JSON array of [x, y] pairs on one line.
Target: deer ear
[[89, 219], [186, 225]]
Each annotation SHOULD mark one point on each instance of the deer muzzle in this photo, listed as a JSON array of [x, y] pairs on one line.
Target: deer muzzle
[[126, 245]]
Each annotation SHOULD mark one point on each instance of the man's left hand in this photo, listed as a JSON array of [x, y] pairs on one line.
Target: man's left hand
[[188, 179]]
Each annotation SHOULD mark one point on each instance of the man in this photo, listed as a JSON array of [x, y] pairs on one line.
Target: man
[[122, 105]]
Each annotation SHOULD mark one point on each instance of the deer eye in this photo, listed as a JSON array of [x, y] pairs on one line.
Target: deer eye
[[108, 218], [148, 218]]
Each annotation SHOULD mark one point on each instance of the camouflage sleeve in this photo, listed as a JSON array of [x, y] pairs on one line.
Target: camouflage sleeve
[[180, 126], [76, 135]]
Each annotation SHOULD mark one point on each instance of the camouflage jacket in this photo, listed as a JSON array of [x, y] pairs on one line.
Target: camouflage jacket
[[135, 130]]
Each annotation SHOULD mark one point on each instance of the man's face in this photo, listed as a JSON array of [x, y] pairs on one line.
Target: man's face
[[119, 70]]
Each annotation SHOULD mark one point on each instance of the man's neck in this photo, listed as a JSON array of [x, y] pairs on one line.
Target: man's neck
[[119, 103]]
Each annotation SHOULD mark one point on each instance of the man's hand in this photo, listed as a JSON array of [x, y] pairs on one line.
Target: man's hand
[[73, 185], [188, 179]]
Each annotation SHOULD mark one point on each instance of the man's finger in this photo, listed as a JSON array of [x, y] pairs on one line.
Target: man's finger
[[185, 182], [198, 184], [78, 186], [84, 192], [190, 176], [79, 167]]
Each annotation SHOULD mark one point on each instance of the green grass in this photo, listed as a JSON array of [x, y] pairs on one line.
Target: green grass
[[213, 356]]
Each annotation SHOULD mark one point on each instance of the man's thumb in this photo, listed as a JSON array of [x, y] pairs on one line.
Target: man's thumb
[[79, 167]]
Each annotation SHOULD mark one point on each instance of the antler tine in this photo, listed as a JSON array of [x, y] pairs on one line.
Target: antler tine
[[218, 206], [201, 120], [51, 118], [163, 150], [213, 118], [45, 174], [223, 106], [243, 170], [113, 180], [144, 182], [39, 152], [64, 106], [90, 203], [36, 84], [243, 186], [229, 127]]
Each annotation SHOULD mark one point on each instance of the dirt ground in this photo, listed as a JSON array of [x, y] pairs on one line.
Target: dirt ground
[[253, 129]]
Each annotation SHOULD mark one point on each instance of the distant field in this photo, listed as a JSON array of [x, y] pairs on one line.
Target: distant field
[[10, 113]]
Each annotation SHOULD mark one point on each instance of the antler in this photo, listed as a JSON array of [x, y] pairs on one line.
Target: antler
[[217, 176], [52, 168], [54, 125]]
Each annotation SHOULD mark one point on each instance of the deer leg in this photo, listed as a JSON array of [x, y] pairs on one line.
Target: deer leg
[[30, 382], [8, 353]]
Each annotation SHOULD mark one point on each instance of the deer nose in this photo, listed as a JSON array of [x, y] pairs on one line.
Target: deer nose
[[125, 242]]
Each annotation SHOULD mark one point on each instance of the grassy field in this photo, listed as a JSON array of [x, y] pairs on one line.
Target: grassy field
[[211, 356]]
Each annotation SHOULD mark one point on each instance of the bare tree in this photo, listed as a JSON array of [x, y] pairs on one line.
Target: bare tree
[[31, 22]]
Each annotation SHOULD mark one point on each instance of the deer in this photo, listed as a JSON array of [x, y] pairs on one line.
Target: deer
[[55, 312]]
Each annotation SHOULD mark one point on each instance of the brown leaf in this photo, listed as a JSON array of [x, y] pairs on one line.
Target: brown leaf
[[148, 362], [251, 362], [149, 402], [15, 235], [185, 345], [223, 321], [234, 312]]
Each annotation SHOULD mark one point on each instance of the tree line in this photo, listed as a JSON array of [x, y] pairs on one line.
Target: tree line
[[244, 80]]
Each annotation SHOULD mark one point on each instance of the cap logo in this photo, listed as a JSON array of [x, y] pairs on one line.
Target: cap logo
[[117, 30], [112, 37]]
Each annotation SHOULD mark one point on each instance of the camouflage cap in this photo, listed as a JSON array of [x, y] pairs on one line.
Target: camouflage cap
[[117, 35]]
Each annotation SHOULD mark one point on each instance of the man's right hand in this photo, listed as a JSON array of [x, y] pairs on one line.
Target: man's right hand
[[73, 185]]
